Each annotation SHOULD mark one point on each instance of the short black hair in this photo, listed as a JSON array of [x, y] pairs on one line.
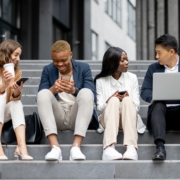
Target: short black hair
[[168, 42]]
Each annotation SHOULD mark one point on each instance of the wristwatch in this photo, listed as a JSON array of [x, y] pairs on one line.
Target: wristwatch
[[76, 91]]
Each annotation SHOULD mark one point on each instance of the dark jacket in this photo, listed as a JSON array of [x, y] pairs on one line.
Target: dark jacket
[[146, 89], [82, 79]]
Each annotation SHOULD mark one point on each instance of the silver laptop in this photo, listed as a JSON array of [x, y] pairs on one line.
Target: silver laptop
[[166, 87]]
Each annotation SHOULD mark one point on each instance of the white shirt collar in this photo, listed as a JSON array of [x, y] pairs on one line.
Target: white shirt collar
[[120, 80], [172, 67]]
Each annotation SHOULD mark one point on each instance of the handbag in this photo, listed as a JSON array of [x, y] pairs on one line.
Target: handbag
[[34, 130]]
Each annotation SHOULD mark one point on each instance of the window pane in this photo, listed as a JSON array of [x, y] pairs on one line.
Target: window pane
[[107, 46], [131, 21], [118, 6], [114, 10], [10, 12], [105, 5], [94, 46]]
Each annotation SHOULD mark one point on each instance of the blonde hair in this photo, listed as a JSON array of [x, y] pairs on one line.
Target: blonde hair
[[60, 45], [7, 47]]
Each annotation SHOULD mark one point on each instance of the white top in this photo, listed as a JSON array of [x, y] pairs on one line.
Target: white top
[[65, 98], [172, 70], [106, 86]]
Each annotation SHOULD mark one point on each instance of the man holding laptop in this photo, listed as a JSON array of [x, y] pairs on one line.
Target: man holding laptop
[[162, 114]]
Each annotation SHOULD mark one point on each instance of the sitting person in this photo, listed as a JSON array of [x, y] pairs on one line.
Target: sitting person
[[10, 95], [66, 100], [162, 116], [117, 109]]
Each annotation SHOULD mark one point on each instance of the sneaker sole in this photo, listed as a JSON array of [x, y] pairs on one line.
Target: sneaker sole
[[53, 159], [78, 159], [126, 158], [107, 159]]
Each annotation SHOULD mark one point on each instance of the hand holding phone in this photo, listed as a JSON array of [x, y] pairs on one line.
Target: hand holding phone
[[21, 80], [121, 92]]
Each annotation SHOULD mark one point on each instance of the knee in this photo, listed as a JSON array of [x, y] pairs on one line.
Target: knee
[[43, 95], [16, 103], [127, 99], [86, 94], [159, 106], [113, 100]]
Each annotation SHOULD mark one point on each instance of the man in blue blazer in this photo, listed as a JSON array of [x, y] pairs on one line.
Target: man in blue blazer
[[66, 100], [161, 116]]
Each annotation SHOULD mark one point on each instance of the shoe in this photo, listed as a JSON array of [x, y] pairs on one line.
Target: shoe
[[54, 155], [160, 154], [3, 158], [76, 154], [131, 153], [18, 155], [110, 153]]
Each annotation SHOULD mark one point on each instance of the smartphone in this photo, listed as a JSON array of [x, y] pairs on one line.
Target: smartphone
[[21, 80], [66, 77], [122, 92]]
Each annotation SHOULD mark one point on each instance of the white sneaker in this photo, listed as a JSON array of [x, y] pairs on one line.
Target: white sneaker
[[110, 153], [131, 153], [54, 155], [76, 154]]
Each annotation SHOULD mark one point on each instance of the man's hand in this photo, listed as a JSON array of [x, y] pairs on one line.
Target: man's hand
[[63, 86], [67, 86]]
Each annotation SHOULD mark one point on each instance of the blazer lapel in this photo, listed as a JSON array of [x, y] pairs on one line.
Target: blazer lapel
[[75, 72], [55, 75], [161, 69]]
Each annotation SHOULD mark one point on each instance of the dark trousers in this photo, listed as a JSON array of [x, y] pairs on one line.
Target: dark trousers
[[164, 118]]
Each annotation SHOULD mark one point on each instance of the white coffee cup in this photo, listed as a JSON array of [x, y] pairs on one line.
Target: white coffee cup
[[9, 67]]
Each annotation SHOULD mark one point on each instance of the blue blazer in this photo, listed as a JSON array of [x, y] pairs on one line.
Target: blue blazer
[[146, 89], [82, 79]]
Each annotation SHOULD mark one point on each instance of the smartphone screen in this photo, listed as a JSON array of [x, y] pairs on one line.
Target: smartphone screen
[[122, 92], [21, 80], [66, 77]]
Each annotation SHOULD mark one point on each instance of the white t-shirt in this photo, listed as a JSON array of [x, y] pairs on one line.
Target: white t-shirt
[[65, 98]]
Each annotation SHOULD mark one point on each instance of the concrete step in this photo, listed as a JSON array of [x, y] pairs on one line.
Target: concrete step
[[93, 66], [33, 89], [91, 170], [31, 99], [38, 72], [95, 151], [27, 61], [93, 137], [36, 80], [29, 109]]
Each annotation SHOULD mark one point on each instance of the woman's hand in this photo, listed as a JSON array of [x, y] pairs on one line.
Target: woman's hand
[[17, 89], [122, 96], [7, 78], [113, 95]]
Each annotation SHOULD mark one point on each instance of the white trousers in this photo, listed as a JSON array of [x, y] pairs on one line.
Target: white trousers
[[119, 115], [12, 110], [56, 116]]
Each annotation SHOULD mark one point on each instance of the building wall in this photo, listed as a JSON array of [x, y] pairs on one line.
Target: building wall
[[155, 18], [109, 31]]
